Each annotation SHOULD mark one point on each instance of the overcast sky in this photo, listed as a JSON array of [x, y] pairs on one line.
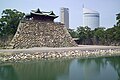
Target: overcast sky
[[107, 9]]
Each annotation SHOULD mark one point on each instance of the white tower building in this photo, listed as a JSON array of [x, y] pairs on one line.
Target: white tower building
[[90, 18], [64, 16]]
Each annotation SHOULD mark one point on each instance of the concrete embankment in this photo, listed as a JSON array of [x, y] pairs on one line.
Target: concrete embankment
[[83, 51]]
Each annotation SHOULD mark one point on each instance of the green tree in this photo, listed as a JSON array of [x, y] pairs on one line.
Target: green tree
[[9, 22], [73, 33], [118, 19], [113, 34], [99, 34], [84, 34], [117, 33], [117, 28], [110, 35]]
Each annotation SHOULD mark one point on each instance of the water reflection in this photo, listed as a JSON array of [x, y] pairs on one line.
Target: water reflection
[[98, 69], [115, 62], [7, 72], [76, 69], [43, 70]]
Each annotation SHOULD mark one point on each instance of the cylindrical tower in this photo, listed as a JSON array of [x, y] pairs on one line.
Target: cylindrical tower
[[90, 18]]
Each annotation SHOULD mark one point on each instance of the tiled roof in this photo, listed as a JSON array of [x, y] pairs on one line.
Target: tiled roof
[[38, 12]]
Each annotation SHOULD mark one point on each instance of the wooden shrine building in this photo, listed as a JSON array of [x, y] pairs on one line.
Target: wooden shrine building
[[41, 15]]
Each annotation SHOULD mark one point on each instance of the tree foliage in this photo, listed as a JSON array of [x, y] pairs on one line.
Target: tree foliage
[[8, 24], [118, 19], [73, 33], [85, 34], [99, 34], [9, 21]]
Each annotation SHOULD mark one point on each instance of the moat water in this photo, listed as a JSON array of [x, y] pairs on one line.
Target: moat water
[[67, 69]]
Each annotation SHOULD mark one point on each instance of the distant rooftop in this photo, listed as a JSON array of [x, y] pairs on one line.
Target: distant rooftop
[[41, 15], [38, 12]]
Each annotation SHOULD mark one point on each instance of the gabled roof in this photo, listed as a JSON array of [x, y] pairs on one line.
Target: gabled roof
[[38, 12]]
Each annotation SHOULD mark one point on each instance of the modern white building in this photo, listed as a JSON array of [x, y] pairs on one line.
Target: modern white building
[[90, 18], [64, 16]]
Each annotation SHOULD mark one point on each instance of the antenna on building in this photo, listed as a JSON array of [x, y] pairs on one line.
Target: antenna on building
[[83, 6]]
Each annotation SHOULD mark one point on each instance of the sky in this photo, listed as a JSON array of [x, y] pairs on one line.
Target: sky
[[107, 9]]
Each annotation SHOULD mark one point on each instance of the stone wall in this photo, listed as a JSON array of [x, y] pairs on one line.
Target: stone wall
[[41, 34], [47, 55]]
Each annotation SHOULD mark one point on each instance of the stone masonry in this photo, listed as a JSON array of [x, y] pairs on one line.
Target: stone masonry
[[33, 33]]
